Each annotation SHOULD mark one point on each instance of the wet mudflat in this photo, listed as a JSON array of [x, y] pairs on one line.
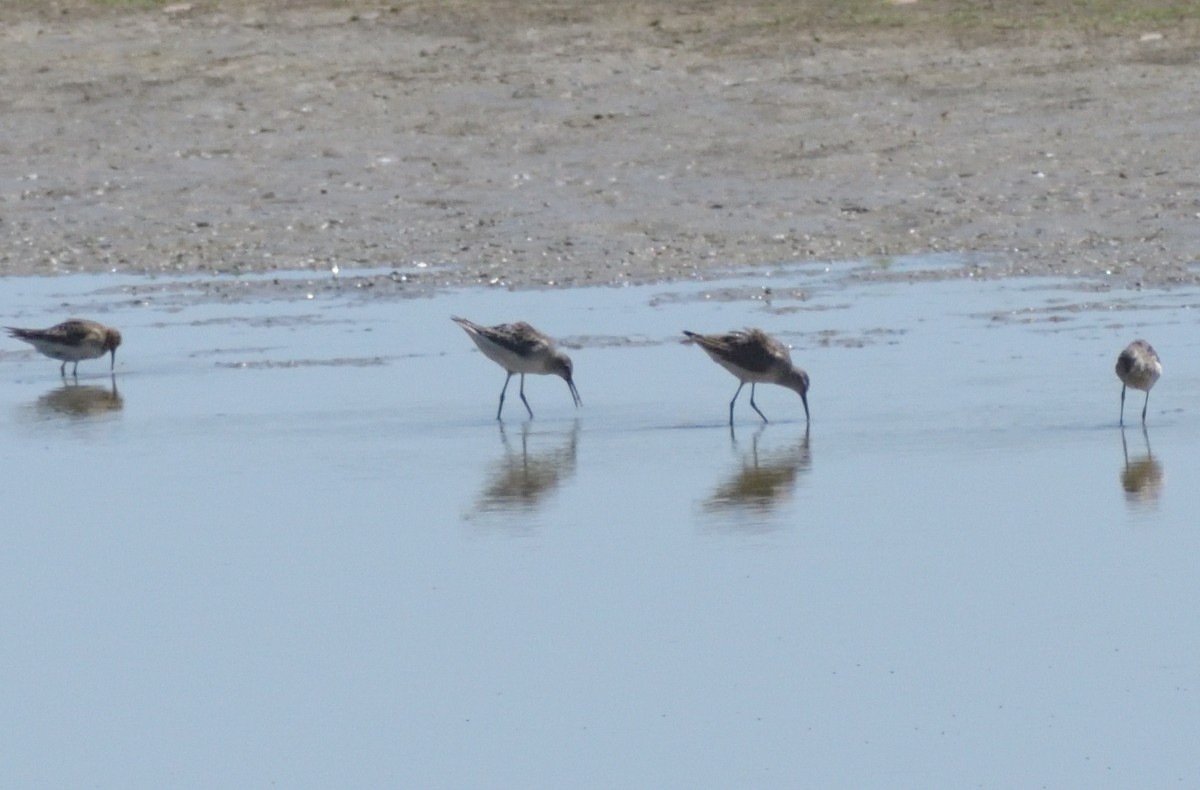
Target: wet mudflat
[[288, 542]]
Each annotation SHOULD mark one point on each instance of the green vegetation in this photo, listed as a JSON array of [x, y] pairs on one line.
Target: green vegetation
[[970, 18], [963, 20]]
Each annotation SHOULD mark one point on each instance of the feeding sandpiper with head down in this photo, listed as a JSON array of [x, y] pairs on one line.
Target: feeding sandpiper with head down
[[71, 341], [754, 356], [1138, 366], [519, 348]]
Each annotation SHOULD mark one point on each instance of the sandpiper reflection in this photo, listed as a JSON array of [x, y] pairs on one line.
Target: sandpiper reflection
[[80, 400], [1142, 476], [764, 479], [523, 477]]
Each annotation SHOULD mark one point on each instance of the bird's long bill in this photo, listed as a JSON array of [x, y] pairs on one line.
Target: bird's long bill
[[804, 399], [574, 393], [113, 354]]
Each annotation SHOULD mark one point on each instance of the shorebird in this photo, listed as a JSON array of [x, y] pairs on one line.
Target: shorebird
[[754, 356], [71, 341], [1138, 366], [519, 348]]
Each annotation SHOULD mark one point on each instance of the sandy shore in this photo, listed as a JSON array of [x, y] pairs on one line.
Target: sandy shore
[[548, 143]]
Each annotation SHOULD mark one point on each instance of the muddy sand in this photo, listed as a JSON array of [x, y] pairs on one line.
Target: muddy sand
[[526, 144]]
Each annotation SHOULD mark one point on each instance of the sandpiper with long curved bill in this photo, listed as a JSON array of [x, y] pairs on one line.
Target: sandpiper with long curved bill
[[519, 348], [754, 356], [72, 341], [1138, 366]]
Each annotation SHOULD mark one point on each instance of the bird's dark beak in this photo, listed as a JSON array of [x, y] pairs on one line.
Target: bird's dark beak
[[113, 354], [804, 399], [574, 393]]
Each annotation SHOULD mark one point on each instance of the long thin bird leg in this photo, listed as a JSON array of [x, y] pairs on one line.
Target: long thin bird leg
[[523, 397], [1145, 406], [739, 392], [62, 370], [755, 405], [500, 408], [1123, 404]]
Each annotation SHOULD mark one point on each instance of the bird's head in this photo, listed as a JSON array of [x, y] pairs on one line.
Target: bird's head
[[798, 382], [562, 367]]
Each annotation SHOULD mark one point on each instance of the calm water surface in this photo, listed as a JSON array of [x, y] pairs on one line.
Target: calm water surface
[[290, 545]]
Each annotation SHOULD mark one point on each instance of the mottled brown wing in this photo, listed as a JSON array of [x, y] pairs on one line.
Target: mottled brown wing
[[755, 350], [68, 333], [520, 338]]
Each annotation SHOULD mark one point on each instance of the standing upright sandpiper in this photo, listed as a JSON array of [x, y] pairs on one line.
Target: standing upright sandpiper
[[519, 348], [71, 341], [1138, 366], [754, 356]]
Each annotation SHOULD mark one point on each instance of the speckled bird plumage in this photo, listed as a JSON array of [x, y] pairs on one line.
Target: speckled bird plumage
[[519, 348], [73, 340], [1139, 367], [754, 356]]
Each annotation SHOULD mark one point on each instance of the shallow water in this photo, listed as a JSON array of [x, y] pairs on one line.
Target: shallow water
[[289, 543]]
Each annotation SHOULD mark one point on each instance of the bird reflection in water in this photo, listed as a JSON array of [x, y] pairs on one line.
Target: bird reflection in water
[[522, 478], [80, 400], [764, 479], [1142, 477]]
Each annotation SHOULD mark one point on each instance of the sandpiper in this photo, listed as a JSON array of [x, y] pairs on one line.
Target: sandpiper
[[519, 348], [754, 356], [71, 341], [1138, 366]]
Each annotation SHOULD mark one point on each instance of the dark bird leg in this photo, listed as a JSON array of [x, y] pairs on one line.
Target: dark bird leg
[[739, 392], [1123, 405], [755, 405], [500, 408], [523, 397], [62, 370]]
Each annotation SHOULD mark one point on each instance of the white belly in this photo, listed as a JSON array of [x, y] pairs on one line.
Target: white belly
[[510, 361]]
